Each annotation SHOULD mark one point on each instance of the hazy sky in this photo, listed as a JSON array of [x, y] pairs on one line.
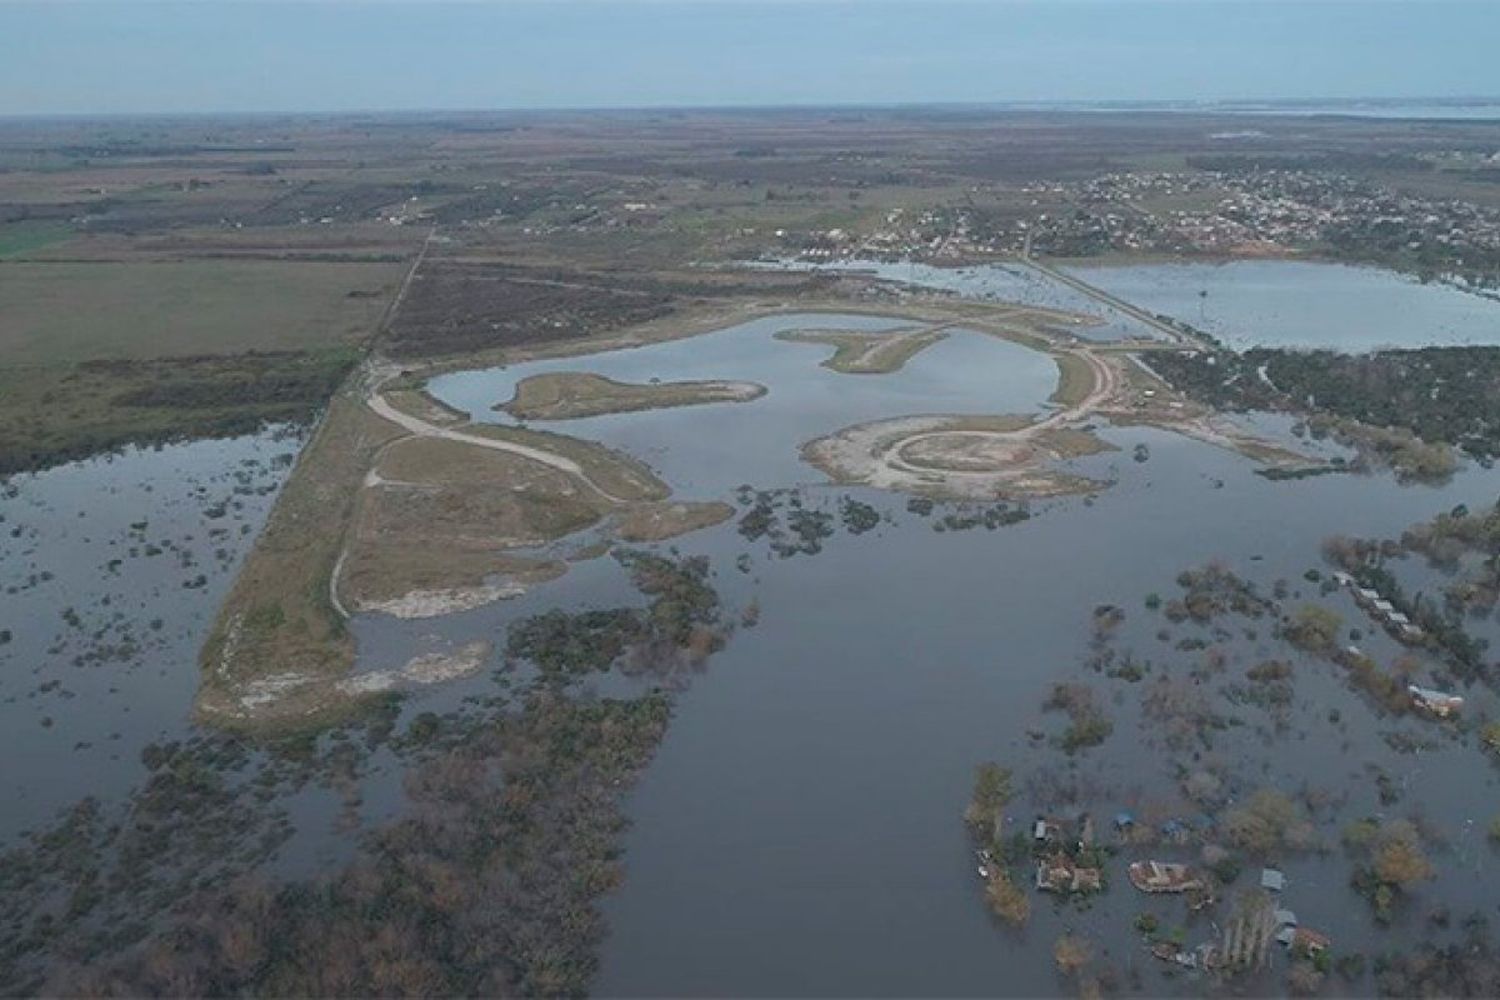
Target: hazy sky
[[321, 55]]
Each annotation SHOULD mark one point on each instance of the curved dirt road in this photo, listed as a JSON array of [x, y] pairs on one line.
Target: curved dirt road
[[421, 428], [1106, 385]]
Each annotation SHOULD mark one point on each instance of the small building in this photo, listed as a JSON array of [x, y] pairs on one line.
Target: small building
[[1046, 831], [1438, 703], [1169, 952], [1285, 918], [1272, 880], [1060, 873], [1163, 876]]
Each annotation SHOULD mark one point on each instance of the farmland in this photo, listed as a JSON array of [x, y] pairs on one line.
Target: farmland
[[66, 313]]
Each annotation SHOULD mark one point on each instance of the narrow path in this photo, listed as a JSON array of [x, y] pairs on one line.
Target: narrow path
[[338, 565], [411, 273]]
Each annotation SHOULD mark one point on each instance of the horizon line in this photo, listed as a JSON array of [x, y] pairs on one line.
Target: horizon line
[[1108, 104]]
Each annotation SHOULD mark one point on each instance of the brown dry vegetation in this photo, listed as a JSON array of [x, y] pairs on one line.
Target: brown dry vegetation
[[455, 308], [444, 513], [656, 522]]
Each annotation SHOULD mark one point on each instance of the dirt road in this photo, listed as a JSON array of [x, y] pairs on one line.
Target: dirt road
[[421, 428]]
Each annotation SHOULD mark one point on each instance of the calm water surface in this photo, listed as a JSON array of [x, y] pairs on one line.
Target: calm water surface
[[1279, 303], [799, 832], [112, 570], [715, 448]]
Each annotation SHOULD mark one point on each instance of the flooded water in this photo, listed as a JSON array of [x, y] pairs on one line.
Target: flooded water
[[1278, 303], [112, 570], [996, 283], [718, 447], [800, 832]]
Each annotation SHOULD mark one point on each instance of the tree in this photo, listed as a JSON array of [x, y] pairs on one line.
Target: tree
[[1268, 821], [1314, 628], [1399, 860], [1008, 901], [1304, 979], [1071, 953]]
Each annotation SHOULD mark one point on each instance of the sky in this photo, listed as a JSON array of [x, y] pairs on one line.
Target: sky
[[129, 56]]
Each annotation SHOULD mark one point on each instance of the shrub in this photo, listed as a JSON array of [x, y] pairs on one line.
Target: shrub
[[1007, 900], [1071, 953]]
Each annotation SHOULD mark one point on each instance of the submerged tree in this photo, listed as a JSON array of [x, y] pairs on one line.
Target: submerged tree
[[1008, 900]]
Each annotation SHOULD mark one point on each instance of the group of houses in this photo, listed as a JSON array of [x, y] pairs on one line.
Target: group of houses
[[1246, 937], [1397, 623], [1067, 863], [1440, 704]]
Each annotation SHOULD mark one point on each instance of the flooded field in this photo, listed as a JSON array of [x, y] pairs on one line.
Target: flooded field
[[808, 797], [808, 794], [1277, 303], [112, 569], [1011, 282]]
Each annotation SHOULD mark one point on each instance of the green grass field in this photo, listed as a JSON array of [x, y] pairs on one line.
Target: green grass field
[[56, 413], [17, 239], [66, 312]]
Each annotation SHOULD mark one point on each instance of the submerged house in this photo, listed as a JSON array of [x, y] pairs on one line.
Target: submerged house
[[1059, 873], [1163, 876], [1438, 703], [1047, 830]]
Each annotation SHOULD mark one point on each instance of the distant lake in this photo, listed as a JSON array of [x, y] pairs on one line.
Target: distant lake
[[1279, 303]]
